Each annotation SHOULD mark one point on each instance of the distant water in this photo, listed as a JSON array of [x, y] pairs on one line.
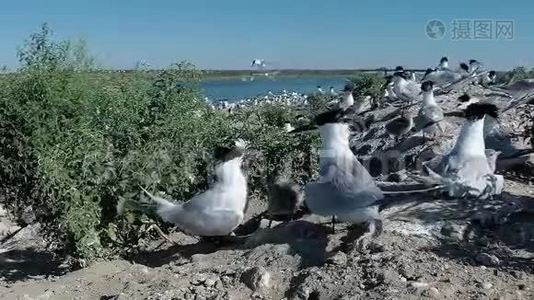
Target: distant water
[[236, 89]]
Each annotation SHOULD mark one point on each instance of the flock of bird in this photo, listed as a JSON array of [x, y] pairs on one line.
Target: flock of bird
[[344, 189]]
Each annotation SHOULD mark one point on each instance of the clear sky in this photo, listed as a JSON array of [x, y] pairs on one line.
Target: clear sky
[[228, 34]]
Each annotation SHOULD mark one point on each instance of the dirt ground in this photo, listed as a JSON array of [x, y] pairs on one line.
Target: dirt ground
[[430, 248]]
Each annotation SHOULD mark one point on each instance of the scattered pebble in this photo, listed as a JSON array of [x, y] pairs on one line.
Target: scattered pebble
[[487, 285], [487, 259], [256, 278], [338, 259]]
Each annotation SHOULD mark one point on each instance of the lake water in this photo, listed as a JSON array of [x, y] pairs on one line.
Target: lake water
[[236, 89]]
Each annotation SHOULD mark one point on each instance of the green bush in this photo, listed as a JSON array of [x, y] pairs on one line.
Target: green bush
[[75, 142], [368, 84], [518, 73]]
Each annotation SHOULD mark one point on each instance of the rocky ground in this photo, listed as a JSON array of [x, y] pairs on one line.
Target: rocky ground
[[431, 248]]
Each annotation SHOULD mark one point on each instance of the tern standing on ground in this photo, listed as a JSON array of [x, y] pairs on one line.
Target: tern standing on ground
[[405, 88], [219, 210], [430, 112], [465, 171], [344, 189]]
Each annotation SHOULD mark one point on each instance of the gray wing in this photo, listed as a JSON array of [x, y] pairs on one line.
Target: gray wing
[[427, 116], [349, 177], [326, 198]]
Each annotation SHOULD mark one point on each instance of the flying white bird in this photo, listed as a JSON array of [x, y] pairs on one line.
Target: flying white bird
[[258, 62]]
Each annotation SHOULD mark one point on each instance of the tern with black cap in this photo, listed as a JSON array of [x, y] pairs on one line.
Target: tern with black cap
[[465, 171], [217, 211], [344, 189], [430, 112]]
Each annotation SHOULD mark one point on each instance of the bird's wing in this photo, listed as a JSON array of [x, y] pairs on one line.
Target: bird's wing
[[348, 175], [328, 198], [205, 200], [427, 116]]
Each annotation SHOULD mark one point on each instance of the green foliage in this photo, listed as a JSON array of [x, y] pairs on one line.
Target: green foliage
[[368, 84], [516, 74], [75, 143]]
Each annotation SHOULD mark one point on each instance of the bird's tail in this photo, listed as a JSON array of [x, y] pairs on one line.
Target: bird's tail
[[161, 203], [161, 206]]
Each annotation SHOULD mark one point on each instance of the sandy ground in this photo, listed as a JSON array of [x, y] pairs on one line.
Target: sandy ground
[[430, 248]]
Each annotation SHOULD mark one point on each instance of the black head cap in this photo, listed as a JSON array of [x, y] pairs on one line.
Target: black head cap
[[477, 111], [473, 61], [464, 66], [329, 117], [444, 59], [427, 86], [224, 153], [399, 68], [464, 98], [349, 87], [492, 73], [406, 75]]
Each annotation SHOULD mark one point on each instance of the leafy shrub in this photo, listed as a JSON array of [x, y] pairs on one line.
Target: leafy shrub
[[518, 73], [368, 84], [76, 142]]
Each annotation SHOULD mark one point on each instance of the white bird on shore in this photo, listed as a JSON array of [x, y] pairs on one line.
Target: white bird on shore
[[219, 210], [389, 94], [348, 100], [344, 189], [430, 112], [405, 88], [442, 76], [443, 64], [473, 65], [489, 78], [333, 93], [465, 171], [320, 90]]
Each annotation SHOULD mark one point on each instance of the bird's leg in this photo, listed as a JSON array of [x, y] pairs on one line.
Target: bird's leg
[[270, 223], [160, 232], [374, 229], [333, 224]]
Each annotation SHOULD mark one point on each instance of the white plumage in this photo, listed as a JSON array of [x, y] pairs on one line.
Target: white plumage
[[216, 212]]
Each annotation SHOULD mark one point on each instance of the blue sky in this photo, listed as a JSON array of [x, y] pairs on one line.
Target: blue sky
[[227, 34]]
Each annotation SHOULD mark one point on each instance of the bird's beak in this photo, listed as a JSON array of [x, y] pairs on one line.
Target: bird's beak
[[304, 128]]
